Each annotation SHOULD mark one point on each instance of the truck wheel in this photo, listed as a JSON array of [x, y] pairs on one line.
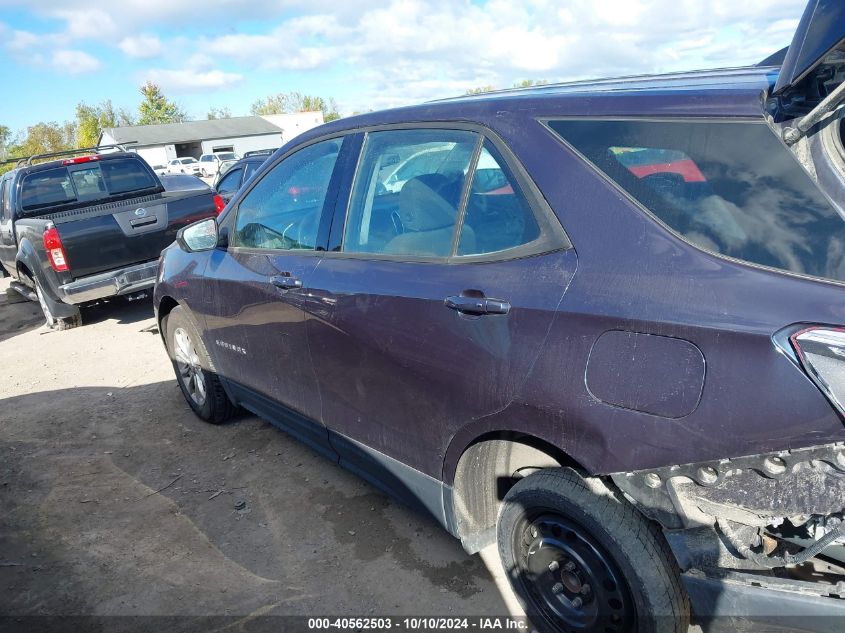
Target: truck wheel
[[194, 370], [581, 559], [54, 322]]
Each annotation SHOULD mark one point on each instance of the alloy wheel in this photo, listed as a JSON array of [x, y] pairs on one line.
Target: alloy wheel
[[189, 367]]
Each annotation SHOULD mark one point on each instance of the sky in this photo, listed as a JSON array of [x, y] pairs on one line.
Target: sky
[[365, 54]]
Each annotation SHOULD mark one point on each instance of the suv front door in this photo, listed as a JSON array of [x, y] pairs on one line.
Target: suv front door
[[434, 308], [256, 289]]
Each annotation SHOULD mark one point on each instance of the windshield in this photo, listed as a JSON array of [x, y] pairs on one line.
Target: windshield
[[188, 161], [226, 155], [729, 187], [81, 183]]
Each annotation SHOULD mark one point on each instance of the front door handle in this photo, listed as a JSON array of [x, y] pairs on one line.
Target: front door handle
[[477, 305], [286, 282]]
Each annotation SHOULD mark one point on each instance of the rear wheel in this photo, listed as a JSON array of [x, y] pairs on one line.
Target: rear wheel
[[581, 559], [52, 321], [194, 370]]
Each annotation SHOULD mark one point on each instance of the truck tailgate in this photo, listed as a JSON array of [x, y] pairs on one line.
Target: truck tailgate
[[118, 234]]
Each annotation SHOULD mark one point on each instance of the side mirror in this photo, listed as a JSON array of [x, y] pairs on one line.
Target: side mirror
[[199, 236]]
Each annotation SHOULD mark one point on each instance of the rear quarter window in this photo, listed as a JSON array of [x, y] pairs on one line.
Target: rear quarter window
[[728, 187]]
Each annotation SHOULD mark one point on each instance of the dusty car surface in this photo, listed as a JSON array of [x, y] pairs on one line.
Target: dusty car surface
[[606, 330]]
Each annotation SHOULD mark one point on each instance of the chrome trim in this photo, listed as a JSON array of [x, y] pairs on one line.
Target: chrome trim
[[109, 284]]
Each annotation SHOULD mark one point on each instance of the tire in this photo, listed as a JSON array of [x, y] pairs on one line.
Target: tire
[[194, 370], [564, 539], [204, 174], [51, 321]]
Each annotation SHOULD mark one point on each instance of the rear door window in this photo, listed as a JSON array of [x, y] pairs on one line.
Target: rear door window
[[728, 187], [407, 192]]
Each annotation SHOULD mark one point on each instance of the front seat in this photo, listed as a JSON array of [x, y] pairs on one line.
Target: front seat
[[428, 220]]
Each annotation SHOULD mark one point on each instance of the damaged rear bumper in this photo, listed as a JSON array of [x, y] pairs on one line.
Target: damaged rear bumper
[[732, 601], [759, 538]]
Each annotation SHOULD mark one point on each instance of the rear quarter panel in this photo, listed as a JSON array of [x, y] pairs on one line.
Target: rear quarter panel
[[636, 276]]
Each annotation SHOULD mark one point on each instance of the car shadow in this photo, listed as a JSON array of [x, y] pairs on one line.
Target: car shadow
[[119, 309], [18, 315], [119, 501]]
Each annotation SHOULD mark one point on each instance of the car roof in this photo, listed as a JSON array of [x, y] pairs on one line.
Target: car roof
[[726, 92], [736, 79]]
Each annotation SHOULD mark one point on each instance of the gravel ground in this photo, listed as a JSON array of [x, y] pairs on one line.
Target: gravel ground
[[118, 501]]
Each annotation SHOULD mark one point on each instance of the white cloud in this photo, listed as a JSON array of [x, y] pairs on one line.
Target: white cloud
[[86, 23], [141, 46], [186, 80], [75, 62], [409, 43], [400, 51]]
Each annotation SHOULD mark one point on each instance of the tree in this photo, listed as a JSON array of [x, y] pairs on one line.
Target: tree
[[156, 108], [92, 120], [287, 102], [5, 136], [43, 138], [218, 113], [480, 90], [527, 83]]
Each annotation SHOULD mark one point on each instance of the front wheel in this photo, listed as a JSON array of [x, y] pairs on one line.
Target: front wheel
[[51, 321], [581, 559], [194, 370]]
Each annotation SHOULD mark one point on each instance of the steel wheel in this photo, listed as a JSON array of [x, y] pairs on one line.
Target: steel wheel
[[189, 367], [571, 581]]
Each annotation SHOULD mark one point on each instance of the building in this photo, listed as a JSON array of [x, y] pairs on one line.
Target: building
[[159, 144]]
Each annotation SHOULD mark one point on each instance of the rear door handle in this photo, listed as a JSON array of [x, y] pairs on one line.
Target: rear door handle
[[286, 282], [477, 305]]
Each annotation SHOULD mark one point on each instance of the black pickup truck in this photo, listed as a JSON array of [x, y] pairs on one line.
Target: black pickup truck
[[79, 229]]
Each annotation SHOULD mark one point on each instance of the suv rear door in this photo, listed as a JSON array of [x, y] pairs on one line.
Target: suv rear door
[[433, 308]]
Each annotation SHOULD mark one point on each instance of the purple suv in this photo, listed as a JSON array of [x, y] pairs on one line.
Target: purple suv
[[601, 324]]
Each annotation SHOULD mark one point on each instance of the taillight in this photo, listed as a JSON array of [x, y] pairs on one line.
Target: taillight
[[55, 250], [81, 159], [219, 203], [821, 351]]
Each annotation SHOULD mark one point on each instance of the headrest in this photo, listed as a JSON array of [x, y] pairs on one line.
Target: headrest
[[422, 208]]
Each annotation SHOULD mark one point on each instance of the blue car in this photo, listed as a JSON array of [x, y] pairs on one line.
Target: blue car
[[601, 326]]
